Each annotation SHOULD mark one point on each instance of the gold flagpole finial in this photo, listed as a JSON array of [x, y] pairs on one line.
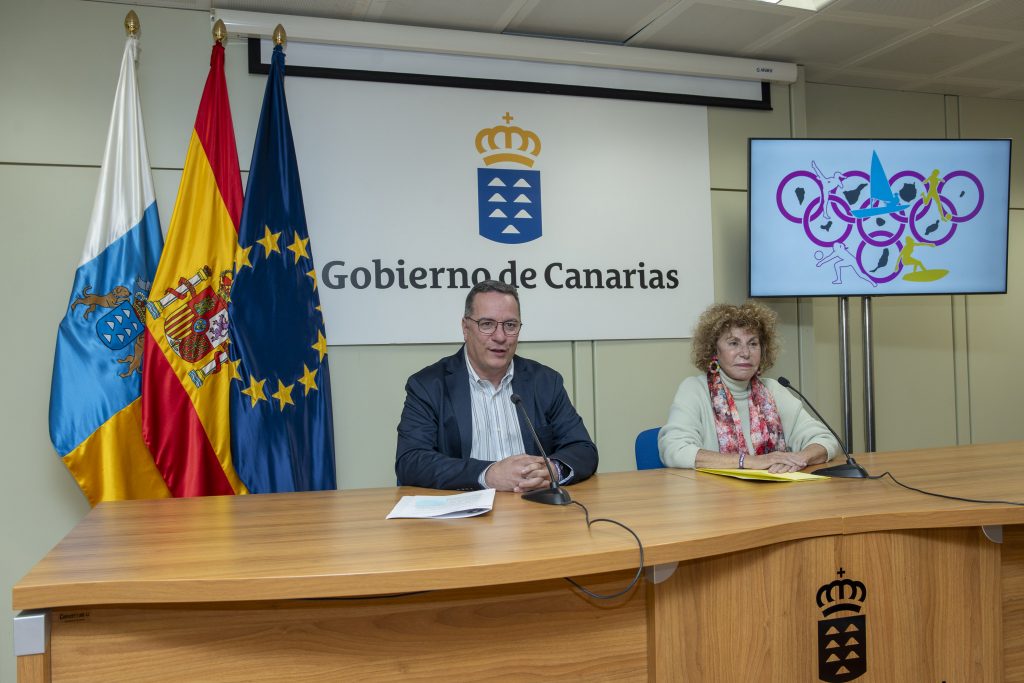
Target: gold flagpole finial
[[280, 37], [131, 23], [220, 32]]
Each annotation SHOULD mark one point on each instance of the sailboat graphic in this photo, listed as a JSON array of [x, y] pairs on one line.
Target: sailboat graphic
[[880, 192]]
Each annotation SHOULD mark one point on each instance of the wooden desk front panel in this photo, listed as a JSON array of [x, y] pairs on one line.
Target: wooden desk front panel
[[1013, 603], [531, 631], [932, 609], [32, 668], [932, 613]]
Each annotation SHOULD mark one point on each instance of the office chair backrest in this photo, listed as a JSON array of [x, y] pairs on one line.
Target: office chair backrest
[[646, 450]]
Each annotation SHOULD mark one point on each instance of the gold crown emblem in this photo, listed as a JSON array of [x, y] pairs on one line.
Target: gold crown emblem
[[508, 143]]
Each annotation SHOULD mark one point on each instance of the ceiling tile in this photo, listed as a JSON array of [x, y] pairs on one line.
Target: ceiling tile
[[861, 80], [607, 20], [998, 14], [716, 29], [820, 74], [931, 53], [829, 42], [973, 89], [927, 10], [1005, 67], [469, 15], [1015, 94], [346, 9]]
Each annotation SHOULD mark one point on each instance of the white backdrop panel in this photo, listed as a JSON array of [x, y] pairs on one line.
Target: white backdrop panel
[[389, 175]]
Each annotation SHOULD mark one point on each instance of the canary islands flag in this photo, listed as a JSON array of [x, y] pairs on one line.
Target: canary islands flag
[[282, 433], [94, 395], [187, 377]]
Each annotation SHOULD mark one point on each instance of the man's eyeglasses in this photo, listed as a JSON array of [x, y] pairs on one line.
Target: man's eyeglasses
[[488, 326]]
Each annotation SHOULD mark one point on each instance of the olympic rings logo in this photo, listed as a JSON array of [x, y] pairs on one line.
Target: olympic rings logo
[[931, 215]]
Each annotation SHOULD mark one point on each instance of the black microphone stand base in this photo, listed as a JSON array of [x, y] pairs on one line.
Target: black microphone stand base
[[849, 470], [549, 496]]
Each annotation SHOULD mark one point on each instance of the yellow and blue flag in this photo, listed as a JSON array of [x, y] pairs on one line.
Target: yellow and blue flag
[[94, 395], [282, 435]]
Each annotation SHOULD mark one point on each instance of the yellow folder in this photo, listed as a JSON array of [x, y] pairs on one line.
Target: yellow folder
[[762, 475]]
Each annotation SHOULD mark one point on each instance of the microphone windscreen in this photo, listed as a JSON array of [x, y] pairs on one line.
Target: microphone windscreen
[[783, 381], [515, 398]]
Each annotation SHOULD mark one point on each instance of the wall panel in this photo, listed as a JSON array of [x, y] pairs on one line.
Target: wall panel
[[729, 130], [636, 381], [995, 328]]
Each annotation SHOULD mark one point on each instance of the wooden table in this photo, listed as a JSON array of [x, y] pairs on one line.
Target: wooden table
[[319, 586]]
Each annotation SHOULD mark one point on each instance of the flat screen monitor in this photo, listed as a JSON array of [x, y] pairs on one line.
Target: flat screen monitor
[[878, 217]]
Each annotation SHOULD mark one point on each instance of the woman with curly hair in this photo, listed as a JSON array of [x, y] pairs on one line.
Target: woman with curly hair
[[730, 416]]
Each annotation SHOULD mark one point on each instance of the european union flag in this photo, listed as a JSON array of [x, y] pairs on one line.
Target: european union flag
[[282, 434]]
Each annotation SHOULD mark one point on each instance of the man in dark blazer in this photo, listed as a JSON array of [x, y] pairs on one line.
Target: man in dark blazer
[[459, 428]]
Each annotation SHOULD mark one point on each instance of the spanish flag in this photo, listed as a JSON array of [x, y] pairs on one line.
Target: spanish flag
[[187, 376]]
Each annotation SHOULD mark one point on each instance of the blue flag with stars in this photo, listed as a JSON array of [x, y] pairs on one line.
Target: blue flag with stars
[[282, 434]]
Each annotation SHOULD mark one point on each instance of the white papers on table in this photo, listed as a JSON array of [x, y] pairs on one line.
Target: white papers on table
[[444, 507]]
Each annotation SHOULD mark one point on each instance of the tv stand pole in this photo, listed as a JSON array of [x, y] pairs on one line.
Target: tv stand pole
[[869, 377], [844, 372]]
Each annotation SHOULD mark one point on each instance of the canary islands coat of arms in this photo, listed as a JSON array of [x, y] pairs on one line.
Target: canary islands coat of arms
[[842, 634]]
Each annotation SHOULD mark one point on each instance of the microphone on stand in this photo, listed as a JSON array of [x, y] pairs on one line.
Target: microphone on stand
[[555, 494], [851, 469]]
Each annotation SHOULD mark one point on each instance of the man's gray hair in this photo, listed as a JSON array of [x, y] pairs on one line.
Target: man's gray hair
[[490, 286]]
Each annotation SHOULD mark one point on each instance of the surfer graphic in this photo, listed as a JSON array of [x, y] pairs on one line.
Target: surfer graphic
[[918, 273]]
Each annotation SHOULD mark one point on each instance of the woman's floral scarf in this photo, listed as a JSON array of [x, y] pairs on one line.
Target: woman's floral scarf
[[765, 423]]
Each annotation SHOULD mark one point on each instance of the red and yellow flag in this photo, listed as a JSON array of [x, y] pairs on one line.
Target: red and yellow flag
[[187, 376]]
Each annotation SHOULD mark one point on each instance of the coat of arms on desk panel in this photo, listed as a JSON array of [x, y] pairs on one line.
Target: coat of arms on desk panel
[[842, 635]]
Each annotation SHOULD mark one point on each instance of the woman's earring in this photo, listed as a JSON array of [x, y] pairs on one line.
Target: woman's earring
[[713, 366]]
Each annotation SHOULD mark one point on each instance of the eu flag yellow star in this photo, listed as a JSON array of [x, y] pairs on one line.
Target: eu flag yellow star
[[242, 257], [269, 241], [321, 344], [283, 395], [308, 379], [298, 247], [255, 391], [232, 366]]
